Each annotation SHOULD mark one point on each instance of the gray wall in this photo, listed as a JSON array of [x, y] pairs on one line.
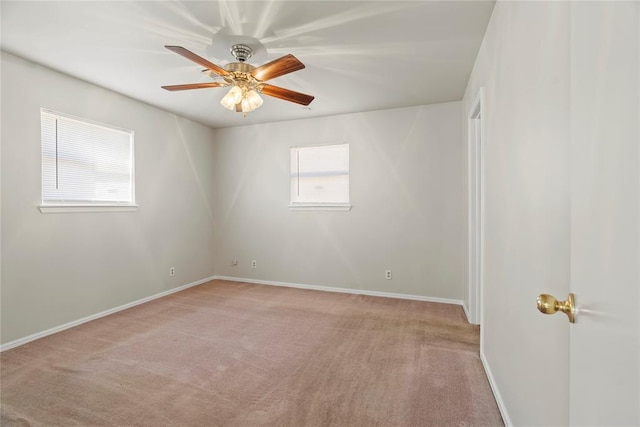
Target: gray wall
[[524, 66], [407, 191], [207, 197], [58, 268]]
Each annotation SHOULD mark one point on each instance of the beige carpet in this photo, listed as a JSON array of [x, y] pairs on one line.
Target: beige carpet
[[234, 354]]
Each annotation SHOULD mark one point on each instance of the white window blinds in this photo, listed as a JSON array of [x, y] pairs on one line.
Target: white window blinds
[[85, 163], [320, 175]]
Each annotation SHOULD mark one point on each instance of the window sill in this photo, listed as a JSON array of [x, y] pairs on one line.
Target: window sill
[[48, 209], [320, 207]]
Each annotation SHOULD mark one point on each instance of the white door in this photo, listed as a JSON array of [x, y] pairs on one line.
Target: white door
[[605, 217]]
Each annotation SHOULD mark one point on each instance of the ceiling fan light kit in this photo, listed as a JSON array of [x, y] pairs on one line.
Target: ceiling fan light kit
[[246, 81]]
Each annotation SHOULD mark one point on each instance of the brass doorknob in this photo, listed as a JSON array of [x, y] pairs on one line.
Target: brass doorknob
[[549, 305]]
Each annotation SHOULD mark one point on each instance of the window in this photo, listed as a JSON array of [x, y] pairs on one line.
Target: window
[[320, 177], [85, 164]]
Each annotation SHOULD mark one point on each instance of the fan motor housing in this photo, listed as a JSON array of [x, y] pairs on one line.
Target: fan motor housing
[[239, 67]]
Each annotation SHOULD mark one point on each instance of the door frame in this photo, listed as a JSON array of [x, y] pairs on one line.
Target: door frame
[[475, 205]]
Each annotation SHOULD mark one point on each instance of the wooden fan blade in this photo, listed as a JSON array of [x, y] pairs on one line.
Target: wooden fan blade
[[198, 60], [287, 94], [276, 68], [193, 86]]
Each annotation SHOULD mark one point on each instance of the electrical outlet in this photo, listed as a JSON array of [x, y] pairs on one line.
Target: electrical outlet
[[234, 262], [254, 264], [387, 274], [172, 271]]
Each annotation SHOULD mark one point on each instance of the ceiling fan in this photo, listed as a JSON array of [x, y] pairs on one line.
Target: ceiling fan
[[246, 81]]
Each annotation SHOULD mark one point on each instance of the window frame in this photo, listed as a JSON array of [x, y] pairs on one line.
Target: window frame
[[319, 206], [87, 206]]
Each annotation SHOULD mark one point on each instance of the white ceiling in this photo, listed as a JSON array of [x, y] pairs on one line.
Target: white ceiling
[[359, 55]]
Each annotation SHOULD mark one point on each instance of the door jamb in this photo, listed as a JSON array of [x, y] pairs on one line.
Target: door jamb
[[475, 175]]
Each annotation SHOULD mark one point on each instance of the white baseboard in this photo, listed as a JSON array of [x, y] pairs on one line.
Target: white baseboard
[[60, 328], [343, 290], [496, 392], [468, 314], [466, 311]]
